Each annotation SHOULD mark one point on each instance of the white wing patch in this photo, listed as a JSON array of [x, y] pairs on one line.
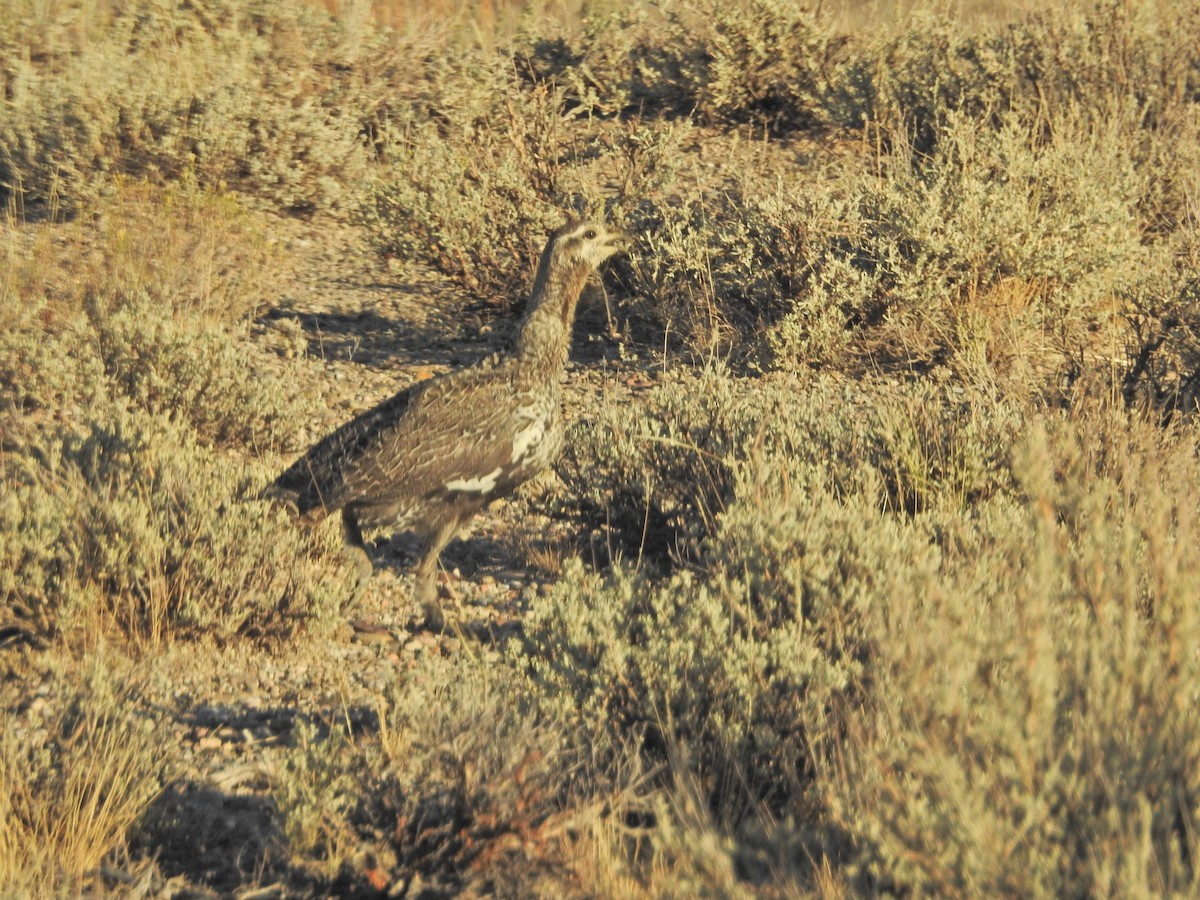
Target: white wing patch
[[481, 485], [527, 437]]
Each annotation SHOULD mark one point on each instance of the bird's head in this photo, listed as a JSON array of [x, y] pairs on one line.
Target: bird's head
[[590, 243]]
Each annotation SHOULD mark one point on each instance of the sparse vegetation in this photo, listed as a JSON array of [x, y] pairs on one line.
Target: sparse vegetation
[[77, 769], [889, 501]]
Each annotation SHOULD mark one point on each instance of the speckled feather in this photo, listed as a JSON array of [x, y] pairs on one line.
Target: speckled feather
[[393, 461]]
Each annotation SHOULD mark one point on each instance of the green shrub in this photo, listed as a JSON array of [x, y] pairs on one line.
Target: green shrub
[[729, 662], [1032, 729], [199, 376], [763, 62], [473, 201], [987, 693], [478, 189], [791, 520], [271, 98], [1109, 64], [155, 314], [658, 477], [135, 529], [315, 794], [612, 63], [1016, 279]]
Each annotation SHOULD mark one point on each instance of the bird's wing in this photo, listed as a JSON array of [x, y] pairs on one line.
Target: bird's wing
[[317, 481], [453, 437]]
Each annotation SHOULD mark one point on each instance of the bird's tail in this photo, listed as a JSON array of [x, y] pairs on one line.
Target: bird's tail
[[293, 498], [283, 495]]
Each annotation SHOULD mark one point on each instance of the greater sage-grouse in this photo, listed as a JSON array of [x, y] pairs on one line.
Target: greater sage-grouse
[[433, 455]]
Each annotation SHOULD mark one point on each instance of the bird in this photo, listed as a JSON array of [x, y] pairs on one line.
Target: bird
[[428, 458]]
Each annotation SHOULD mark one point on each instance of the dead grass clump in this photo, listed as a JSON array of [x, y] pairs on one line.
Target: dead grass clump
[[134, 529], [77, 771], [196, 252]]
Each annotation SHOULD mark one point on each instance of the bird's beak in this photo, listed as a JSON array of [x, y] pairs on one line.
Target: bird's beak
[[621, 240]]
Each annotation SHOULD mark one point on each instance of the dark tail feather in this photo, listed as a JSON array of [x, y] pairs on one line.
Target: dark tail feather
[[294, 490], [284, 496]]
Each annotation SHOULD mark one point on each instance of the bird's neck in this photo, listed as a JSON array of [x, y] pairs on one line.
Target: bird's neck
[[544, 334]]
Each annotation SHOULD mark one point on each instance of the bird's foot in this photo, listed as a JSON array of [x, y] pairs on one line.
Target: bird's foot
[[429, 597], [435, 617], [430, 594]]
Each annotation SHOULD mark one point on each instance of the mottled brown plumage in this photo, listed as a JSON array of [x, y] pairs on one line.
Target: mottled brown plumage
[[432, 456]]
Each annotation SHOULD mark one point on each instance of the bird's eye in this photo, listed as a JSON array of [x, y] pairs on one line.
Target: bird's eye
[[590, 234]]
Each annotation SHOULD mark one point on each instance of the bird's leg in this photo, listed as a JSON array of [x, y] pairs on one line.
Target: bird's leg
[[426, 573], [356, 551]]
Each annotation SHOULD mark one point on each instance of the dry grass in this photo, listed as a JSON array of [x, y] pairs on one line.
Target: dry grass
[[77, 770]]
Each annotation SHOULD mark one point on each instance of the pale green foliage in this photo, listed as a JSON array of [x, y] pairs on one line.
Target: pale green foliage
[[660, 475], [475, 191], [810, 271], [1062, 214], [727, 664], [1032, 194], [201, 376], [703, 271], [154, 315], [781, 508], [992, 695], [1114, 63], [75, 775], [272, 98], [487, 761], [607, 65], [476, 196], [934, 448], [926, 628], [1033, 729], [314, 793], [135, 528], [762, 61]]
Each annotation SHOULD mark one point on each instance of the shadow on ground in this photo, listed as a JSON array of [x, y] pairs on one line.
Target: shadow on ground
[[223, 835], [368, 338]]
